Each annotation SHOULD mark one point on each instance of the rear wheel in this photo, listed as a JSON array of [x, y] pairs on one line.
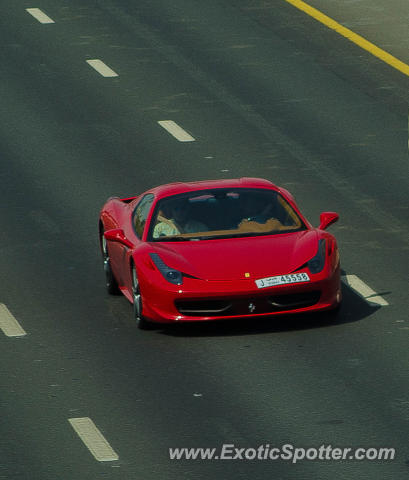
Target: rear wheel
[[141, 322], [111, 283]]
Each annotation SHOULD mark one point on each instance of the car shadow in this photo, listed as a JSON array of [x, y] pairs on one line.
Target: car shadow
[[353, 309]]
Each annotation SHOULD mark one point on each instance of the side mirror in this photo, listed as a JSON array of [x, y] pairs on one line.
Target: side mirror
[[327, 219], [118, 235]]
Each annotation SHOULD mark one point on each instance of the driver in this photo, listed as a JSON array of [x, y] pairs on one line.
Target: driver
[[255, 208]]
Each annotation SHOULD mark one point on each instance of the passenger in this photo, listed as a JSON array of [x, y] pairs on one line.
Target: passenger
[[174, 218]]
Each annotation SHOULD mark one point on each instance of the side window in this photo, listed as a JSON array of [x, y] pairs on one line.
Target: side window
[[141, 213]]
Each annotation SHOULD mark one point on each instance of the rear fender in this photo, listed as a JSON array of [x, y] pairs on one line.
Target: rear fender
[[128, 199]]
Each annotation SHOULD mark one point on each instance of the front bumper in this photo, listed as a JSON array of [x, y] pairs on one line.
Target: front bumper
[[199, 300]]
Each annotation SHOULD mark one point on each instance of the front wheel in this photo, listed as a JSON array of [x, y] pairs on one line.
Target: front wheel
[[141, 322], [111, 283], [333, 314]]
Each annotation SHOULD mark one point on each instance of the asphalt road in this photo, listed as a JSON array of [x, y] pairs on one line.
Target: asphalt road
[[265, 91]]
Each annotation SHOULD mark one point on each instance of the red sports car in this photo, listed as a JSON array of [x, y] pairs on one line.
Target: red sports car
[[217, 249]]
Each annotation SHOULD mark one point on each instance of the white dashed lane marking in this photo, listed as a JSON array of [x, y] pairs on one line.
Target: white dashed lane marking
[[102, 68], [176, 131], [9, 324], [363, 290], [93, 439], [39, 15]]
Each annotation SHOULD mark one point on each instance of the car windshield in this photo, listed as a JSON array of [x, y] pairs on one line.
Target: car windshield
[[222, 213]]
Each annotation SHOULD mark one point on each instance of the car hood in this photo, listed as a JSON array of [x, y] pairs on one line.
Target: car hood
[[240, 258]]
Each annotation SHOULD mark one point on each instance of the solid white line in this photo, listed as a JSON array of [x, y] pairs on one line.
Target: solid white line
[[174, 129], [93, 439], [39, 15], [9, 324], [102, 68], [363, 290]]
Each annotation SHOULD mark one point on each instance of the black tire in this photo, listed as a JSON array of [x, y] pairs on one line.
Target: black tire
[[140, 320], [333, 314], [110, 282]]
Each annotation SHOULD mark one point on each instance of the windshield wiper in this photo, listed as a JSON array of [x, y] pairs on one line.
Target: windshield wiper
[[226, 235], [175, 239], [234, 235]]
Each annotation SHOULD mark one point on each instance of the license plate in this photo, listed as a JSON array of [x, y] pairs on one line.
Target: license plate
[[282, 280]]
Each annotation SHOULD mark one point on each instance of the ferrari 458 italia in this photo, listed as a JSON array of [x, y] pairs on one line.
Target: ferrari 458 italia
[[217, 249]]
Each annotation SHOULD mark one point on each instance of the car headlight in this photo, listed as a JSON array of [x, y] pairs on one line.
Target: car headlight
[[316, 264], [170, 274]]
